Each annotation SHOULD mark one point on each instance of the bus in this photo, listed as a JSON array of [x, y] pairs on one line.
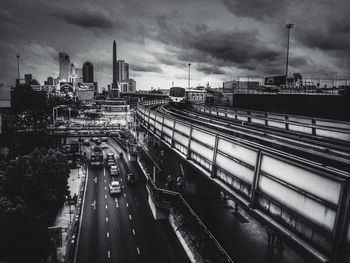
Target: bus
[[97, 156]]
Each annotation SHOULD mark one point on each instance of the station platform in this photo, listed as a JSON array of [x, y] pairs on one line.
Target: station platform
[[243, 237]]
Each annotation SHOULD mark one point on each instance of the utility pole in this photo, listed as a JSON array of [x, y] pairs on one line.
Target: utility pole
[[289, 27], [189, 75], [18, 75]]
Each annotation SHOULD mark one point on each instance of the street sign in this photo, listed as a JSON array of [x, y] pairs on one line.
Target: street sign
[[55, 232]]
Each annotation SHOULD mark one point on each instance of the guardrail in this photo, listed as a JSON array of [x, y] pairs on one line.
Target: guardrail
[[327, 128], [303, 200]]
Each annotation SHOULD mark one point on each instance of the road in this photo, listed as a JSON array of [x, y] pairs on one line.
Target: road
[[121, 228]]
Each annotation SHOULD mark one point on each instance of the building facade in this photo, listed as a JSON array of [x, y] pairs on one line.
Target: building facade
[[64, 64], [88, 72]]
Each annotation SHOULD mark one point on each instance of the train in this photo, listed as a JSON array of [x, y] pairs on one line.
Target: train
[[177, 95]]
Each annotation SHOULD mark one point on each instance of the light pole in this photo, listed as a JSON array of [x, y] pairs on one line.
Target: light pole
[[18, 75], [189, 75], [289, 27]]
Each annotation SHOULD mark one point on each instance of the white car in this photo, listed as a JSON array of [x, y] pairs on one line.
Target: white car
[[114, 170], [114, 187]]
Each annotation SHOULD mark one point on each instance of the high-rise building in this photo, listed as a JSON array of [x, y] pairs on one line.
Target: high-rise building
[[123, 70], [126, 71], [88, 72], [49, 81], [64, 64]]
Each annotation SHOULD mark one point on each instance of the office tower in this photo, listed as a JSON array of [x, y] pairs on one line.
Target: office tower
[[121, 70], [64, 64], [88, 72], [126, 71], [115, 77], [49, 81], [28, 78]]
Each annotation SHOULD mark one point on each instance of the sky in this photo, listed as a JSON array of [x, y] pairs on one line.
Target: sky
[[222, 39]]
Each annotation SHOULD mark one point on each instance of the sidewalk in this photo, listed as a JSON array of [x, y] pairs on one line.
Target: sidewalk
[[243, 238], [66, 218]]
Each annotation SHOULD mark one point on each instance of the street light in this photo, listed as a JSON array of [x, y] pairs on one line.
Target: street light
[[18, 75], [189, 75], [289, 27]]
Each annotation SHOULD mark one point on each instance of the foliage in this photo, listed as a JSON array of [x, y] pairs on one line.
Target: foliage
[[23, 236], [40, 178], [32, 189]]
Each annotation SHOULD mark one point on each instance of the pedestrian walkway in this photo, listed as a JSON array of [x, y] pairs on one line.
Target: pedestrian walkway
[[243, 238], [66, 217]]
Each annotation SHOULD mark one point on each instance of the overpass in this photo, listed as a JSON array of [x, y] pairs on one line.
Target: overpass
[[302, 200]]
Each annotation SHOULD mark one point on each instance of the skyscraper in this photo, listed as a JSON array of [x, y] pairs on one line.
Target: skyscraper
[[64, 62], [88, 72], [120, 70], [115, 73], [126, 71]]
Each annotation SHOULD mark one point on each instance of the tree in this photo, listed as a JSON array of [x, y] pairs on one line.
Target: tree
[[23, 237]]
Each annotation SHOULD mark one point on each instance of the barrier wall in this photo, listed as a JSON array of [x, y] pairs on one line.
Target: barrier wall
[[308, 200], [331, 129]]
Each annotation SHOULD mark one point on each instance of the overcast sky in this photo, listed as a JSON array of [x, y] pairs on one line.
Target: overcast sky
[[222, 39]]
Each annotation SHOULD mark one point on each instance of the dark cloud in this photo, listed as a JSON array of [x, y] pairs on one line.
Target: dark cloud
[[256, 9], [87, 17], [208, 69], [146, 68], [200, 43]]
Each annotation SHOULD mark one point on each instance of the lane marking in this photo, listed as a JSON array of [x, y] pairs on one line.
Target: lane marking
[[94, 204], [125, 194], [138, 250], [105, 180], [107, 234], [81, 217], [105, 188], [133, 232], [104, 172], [106, 218], [109, 254], [95, 179], [105, 196], [121, 179], [127, 205], [122, 186], [116, 203], [106, 207], [130, 217]]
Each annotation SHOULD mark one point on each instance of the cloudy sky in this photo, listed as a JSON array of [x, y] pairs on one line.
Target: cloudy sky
[[222, 39]]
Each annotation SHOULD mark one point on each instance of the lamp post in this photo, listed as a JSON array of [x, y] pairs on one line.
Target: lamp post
[[189, 75], [289, 27], [18, 75]]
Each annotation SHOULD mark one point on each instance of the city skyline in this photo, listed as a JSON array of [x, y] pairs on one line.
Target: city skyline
[[222, 40]]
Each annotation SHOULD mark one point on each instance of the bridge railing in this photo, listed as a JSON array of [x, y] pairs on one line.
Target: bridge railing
[[302, 200]]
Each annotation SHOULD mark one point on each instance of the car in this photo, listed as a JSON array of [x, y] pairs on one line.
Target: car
[[104, 139], [114, 188], [110, 156], [98, 142], [86, 143], [110, 163], [114, 170], [131, 178], [104, 145]]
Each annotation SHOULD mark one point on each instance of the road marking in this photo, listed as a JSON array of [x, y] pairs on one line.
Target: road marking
[[116, 203], [106, 218], [106, 207], [107, 234], [105, 180], [104, 172], [138, 250], [125, 194], [105, 196], [121, 179], [105, 188], [133, 232], [94, 204], [95, 179], [130, 217], [109, 254], [122, 186], [127, 205]]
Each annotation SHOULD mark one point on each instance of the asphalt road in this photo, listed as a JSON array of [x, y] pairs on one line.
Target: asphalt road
[[121, 228]]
